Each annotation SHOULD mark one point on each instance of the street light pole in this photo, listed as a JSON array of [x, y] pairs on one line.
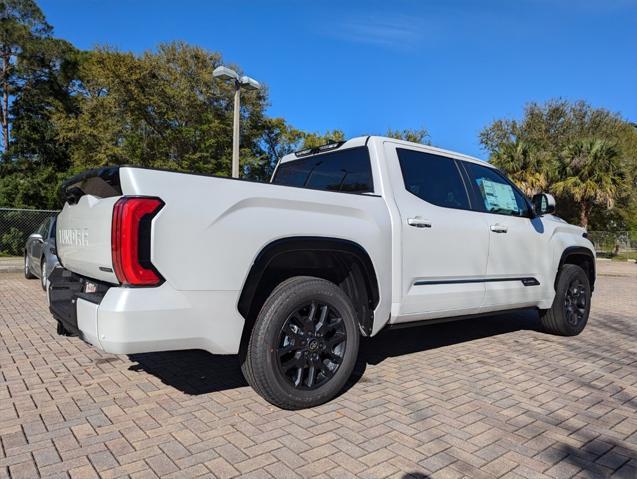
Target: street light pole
[[248, 83], [235, 130]]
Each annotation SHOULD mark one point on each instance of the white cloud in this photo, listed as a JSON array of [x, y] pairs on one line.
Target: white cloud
[[395, 31]]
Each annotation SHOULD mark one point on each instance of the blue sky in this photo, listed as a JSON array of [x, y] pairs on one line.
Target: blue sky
[[449, 66]]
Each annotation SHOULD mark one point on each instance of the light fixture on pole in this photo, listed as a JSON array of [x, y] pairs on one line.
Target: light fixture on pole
[[225, 73]]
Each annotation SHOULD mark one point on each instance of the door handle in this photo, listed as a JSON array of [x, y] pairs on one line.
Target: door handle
[[418, 223], [498, 228]]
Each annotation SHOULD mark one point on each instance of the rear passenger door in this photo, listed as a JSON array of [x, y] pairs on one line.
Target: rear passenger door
[[516, 240], [444, 243]]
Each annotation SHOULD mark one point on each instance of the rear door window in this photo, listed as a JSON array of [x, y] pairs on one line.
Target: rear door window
[[346, 171], [433, 178]]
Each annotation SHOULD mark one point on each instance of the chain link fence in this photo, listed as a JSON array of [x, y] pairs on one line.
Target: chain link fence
[[15, 227], [619, 245], [17, 224]]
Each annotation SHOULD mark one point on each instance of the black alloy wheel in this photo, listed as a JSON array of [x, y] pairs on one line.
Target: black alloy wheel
[[311, 345], [575, 302]]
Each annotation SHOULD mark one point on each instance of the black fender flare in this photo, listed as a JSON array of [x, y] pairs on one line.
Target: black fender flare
[[578, 251], [306, 243]]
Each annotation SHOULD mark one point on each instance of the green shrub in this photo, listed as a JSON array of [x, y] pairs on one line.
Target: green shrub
[[12, 242]]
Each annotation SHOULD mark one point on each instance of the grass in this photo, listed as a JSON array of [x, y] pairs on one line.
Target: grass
[[623, 256]]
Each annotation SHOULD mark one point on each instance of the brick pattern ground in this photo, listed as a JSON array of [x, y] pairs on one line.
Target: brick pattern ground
[[494, 397]]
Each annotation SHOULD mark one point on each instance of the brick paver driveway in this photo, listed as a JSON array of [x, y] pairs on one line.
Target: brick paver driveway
[[482, 398]]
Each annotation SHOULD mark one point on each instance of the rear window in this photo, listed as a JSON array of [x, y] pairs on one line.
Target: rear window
[[347, 171]]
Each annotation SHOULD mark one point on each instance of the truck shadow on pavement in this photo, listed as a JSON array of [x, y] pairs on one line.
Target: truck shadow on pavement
[[198, 372]]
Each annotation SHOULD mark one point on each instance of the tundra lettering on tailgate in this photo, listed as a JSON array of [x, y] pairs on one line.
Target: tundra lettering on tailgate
[[73, 237]]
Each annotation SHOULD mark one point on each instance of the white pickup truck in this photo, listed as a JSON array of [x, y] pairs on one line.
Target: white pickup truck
[[347, 239]]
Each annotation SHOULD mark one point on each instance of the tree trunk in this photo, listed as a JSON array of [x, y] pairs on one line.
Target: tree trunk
[[6, 56], [584, 213]]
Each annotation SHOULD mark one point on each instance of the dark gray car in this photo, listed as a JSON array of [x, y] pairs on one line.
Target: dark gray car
[[39, 252]]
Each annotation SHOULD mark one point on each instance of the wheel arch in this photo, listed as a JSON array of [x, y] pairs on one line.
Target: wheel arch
[[343, 262], [582, 257]]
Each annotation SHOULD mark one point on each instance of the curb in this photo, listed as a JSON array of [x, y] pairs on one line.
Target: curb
[[11, 264]]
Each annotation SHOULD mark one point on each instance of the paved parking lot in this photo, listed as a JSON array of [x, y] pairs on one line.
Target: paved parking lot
[[484, 398]]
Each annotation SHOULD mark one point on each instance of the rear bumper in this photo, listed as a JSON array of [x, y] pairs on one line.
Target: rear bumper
[[76, 310], [137, 320]]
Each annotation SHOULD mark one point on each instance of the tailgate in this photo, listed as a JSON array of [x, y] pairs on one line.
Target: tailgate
[[83, 231]]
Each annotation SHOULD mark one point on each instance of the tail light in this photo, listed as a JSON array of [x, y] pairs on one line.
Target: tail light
[[130, 240]]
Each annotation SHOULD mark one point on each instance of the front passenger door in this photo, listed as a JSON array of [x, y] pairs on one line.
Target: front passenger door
[[516, 240]]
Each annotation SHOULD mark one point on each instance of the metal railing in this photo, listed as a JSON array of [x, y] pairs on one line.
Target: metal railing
[[16, 225], [618, 245]]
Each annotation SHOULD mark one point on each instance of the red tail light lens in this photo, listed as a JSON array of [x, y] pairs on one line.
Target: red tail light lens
[[130, 241]]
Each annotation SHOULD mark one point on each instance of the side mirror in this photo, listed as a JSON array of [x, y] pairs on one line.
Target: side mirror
[[36, 236], [543, 204]]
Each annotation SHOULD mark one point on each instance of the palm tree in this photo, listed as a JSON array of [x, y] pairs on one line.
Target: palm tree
[[522, 164], [590, 172]]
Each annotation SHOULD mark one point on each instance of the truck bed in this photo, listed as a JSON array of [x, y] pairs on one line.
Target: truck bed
[[211, 228]]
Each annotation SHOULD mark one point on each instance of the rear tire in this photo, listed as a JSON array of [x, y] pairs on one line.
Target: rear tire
[[304, 344], [27, 268], [569, 314]]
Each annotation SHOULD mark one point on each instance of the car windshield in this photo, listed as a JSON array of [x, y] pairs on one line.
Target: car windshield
[[52, 232]]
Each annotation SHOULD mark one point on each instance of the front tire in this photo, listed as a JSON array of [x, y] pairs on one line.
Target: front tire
[[304, 344], [27, 268], [569, 313]]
